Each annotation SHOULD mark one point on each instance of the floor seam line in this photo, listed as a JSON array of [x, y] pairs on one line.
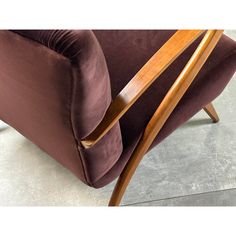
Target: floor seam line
[[181, 196]]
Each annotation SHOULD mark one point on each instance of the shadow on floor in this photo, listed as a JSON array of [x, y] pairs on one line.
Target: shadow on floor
[[3, 128], [197, 122]]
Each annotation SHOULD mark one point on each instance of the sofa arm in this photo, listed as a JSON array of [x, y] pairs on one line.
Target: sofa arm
[[91, 82], [86, 84], [142, 80]]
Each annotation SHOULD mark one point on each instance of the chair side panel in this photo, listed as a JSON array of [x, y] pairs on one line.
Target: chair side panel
[[35, 97]]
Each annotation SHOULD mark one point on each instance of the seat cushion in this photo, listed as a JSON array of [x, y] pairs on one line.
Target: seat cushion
[[126, 51]]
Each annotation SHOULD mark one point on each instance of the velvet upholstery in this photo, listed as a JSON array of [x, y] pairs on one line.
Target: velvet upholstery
[[58, 94], [56, 90], [129, 50]]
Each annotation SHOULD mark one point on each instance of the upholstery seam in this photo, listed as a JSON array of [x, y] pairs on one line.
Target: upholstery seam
[[51, 50], [72, 89]]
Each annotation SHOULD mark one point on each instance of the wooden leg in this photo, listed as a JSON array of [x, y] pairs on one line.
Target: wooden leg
[[210, 110], [127, 174], [137, 156]]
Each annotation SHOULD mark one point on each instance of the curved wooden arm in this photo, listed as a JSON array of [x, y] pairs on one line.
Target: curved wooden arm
[[164, 110], [141, 81]]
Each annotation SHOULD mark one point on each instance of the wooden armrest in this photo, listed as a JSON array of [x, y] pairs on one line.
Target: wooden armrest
[[141, 81], [164, 110]]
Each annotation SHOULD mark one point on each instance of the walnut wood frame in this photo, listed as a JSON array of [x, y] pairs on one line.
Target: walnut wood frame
[[140, 83]]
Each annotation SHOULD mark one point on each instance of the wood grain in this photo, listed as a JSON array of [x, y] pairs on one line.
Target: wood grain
[[210, 110], [164, 110], [141, 81]]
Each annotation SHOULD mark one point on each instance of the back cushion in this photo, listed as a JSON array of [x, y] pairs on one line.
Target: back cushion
[[55, 89]]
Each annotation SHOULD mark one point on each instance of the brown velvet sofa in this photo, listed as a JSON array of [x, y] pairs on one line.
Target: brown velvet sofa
[[97, 101]]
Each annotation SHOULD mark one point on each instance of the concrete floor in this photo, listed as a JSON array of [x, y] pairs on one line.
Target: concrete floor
[[195, 166]]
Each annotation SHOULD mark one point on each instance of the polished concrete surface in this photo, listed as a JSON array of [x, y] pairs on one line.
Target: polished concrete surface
[[215, 198], [195, 166]]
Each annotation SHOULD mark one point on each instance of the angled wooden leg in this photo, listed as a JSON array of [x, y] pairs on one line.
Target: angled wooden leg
[[210, 110], [127, 173], [140, 151]]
